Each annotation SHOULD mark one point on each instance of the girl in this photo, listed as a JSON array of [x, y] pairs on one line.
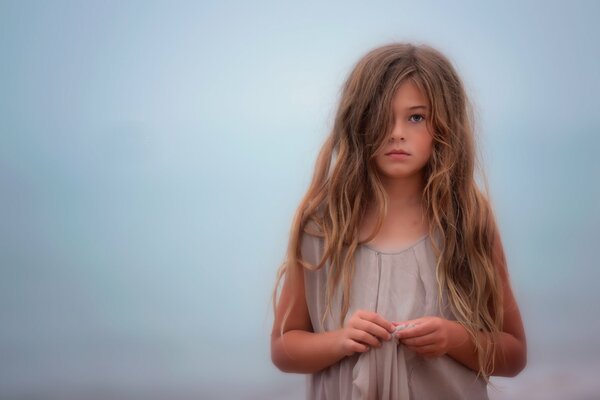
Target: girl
[[396, 284]]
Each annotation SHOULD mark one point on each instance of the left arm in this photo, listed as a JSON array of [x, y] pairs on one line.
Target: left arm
[[438, 336]]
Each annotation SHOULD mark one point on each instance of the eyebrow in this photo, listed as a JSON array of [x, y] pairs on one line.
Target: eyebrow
[[415, 107]]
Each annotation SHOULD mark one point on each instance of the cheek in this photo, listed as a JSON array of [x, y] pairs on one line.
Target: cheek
[[379, 162], [426, 146]]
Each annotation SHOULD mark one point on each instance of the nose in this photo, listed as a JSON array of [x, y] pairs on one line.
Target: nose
[[399, 137], [398, 133]]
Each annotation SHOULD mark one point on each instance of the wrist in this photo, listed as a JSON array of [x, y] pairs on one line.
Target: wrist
[[337, 343], [457, 335]]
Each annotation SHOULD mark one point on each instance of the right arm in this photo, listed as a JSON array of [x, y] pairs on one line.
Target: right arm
[[299, 349]]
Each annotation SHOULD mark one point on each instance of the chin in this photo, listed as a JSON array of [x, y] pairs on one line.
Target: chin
[[401, 174]]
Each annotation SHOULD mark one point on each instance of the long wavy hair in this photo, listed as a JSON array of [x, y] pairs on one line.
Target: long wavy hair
[[346, 180]]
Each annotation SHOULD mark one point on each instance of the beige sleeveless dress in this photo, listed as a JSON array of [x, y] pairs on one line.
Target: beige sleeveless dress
[[399, 285]]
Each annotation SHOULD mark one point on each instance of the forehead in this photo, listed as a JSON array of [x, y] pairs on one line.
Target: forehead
[[408, 95]]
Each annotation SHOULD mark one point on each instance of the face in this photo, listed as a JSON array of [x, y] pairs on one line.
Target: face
[[410, 134]]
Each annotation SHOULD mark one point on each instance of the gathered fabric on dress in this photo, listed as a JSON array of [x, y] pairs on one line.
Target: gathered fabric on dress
[[399, 285]]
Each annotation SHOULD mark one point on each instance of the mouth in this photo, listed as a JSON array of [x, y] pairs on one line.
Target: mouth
[[397, 152]]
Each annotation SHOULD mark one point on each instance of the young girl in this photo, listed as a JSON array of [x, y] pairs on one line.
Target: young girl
[[396, 284]]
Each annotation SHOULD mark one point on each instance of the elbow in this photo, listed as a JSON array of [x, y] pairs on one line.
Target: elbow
[[279, 362], [284, 364], [516, 371], [514, 362], [278, 356], [520, 364], [523, 358]]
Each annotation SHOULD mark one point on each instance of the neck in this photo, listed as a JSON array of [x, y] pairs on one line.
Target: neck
[[403, 192]]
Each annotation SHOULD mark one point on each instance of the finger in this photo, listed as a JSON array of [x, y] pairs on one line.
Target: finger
[[421, 340], [374, 329], [420, 330], [357, 347], [401, 327], [408, 321], [378, 319], [364, 337], [405, 325]]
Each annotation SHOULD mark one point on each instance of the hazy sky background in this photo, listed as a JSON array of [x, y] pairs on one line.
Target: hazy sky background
[[152, 155]]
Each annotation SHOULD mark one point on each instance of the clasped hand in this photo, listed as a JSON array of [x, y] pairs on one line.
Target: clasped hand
[[431, 337]]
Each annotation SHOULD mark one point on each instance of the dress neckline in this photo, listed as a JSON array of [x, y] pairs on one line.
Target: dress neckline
[[400, 251]]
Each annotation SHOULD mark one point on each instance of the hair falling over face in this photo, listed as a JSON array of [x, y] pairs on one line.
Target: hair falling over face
[[345, 181]]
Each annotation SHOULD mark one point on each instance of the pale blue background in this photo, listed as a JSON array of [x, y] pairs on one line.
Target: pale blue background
[[152, 155]]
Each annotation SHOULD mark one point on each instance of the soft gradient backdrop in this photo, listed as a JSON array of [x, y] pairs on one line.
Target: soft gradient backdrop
[[152, 155]]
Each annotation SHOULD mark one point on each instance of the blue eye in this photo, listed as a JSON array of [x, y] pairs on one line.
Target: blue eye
[[417, 115]]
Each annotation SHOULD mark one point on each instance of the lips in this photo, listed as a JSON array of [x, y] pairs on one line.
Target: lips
[[397, 152]]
